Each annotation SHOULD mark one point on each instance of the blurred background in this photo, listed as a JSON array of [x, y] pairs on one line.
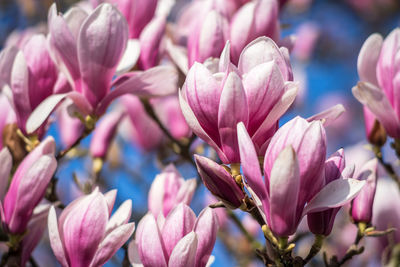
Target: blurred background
[[331, 33]]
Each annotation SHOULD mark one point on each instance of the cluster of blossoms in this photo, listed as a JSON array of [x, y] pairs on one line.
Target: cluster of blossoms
[[208, 90]]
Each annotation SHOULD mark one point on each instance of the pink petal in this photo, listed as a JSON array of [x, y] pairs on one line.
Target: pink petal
[[63, 44], [7, 57], [220, 183], [84, 228], [101, 44], [184, 253], [335, 194], [110, 198], [284, 192], [328, 116], [150, 243], [157, 81], [368, 58], [27, 192], [196, 127], [264, 86], [5, 168], [150, 40], [130, 57], [378, 103], [250, 163], [212, 36], [20, 89], [232, 110], [133, 254], [262, 50], [55, 240], [111, 243], [43, 111], [121, 216], [206, 229], [179, 222], [104, 134]]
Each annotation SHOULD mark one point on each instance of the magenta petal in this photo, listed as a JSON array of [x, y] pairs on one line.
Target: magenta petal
[[110, 198], [336, 194], [111, 243], [101, 44], [184, 253], [250, 163], [232, 110], [206, 228], [378, 103], [55, 240], [284, 192], [84, 228], [179, 222], [368, 58]]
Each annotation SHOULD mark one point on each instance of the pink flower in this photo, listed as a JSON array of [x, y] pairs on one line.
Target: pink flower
[[217, 95], [179, 240], [90, 49], [220, 182], [28, 186], [361, 207], [254, 19], [86, 234], [32, 79], [379, 73], [293, 168], [168, 190]]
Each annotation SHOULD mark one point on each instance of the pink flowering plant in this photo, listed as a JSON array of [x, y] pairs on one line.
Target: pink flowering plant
[[162, 133]]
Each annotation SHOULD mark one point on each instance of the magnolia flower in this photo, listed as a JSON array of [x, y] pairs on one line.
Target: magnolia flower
[[78, 42], [179, 240], [254, 19], [293, 168], [168, 190], [28, 185], [361, 207], [379, 73], [220, 182], [217, 95], [86, 234], [32, 79]]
